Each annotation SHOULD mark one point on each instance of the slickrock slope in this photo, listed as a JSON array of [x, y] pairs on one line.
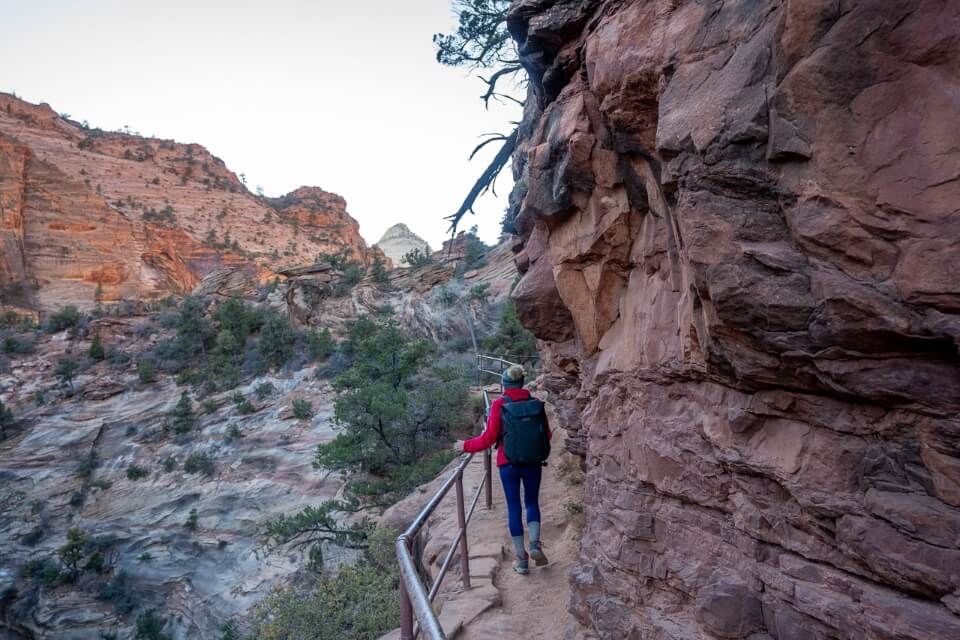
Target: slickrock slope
[[398, 241], [740, 238], [87, 214], [68, 467]]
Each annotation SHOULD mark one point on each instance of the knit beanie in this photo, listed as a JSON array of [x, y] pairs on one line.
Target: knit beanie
[[512, 378]]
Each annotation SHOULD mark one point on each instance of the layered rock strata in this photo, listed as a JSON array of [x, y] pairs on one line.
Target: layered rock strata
[[739, 232], [89, 216]]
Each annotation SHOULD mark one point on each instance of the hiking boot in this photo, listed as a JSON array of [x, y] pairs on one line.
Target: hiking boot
[[536, 552], [522, 566]]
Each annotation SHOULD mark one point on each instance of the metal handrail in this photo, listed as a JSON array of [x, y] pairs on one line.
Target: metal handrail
[[415, 599]]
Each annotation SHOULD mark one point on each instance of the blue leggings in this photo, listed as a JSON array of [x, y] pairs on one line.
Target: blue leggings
[[512, 476]]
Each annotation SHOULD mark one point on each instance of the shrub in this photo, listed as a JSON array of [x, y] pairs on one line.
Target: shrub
[[480, 293], [395, 408], [352, 274], [378, 271], [182, 418], [302, 409], [66, 371], [66, 318], [191, 522], [319, 343], [86, 468], [233, 433], [46, 570], [277, 339], [474, 252], [264, 389], [17, 346], [136, 473], [199, 462], [119, 592], [96, 351], [417, 258], [146, 371], [359, 602], [245, 407], [7, 421], [511, 337], [446, 295], [169, 464], [32, 537], [150, 627], [73, 551]]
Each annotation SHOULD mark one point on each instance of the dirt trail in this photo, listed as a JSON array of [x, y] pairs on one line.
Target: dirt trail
[[533, 606]]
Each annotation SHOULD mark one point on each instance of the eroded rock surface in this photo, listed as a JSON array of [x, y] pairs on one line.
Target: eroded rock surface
[[749, 211], [89, 216]]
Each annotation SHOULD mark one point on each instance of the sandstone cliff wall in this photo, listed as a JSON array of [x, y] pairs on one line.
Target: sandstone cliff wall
[[88, 214], [746, 215]]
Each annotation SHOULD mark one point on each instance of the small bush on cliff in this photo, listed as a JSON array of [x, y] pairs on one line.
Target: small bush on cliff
[[319, 343], [7, 421], [119, 592], [474, 252], [199, 462], [66, 318], [96, 351], [417, 258], [190, 524], [135, 472], [15, 345], [146, 371], [359, 602], [378, 271], [150, 627], [511, 337], [276, 341], [302, 409], [182, 418], [66, 371]]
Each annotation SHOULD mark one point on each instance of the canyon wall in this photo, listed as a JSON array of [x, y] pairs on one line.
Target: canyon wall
[[90, 216], [739, 232]]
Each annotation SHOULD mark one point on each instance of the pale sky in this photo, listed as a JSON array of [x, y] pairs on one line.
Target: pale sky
[[344, 95]]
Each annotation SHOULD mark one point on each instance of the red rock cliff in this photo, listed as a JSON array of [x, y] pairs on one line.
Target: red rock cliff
[[749, 212], [86, 213]]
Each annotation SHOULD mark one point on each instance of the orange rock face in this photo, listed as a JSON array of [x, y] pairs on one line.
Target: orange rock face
[[88, 215], [739, 236]]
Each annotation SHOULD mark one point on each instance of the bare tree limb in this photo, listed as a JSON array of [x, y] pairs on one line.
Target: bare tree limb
[[491, 82], [485, 181]]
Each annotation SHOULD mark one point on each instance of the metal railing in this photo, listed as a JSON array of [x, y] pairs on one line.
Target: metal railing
[[416, 600]]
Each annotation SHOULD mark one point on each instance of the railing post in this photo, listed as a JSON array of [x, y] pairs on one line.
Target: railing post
[[462, 521], [406, 612], [488, 488]]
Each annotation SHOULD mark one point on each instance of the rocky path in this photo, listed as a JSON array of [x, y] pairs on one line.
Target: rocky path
[[501, 603], [532, 606]]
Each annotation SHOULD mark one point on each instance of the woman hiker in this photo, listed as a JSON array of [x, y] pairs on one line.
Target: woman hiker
[[517, 424]]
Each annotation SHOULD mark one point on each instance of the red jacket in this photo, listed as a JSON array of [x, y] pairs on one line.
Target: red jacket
[[491, 435]]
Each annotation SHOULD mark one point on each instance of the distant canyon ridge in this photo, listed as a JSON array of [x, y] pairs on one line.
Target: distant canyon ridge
[[90, 216]]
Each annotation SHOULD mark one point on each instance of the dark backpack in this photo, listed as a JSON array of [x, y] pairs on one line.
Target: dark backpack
[[523, 425]]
